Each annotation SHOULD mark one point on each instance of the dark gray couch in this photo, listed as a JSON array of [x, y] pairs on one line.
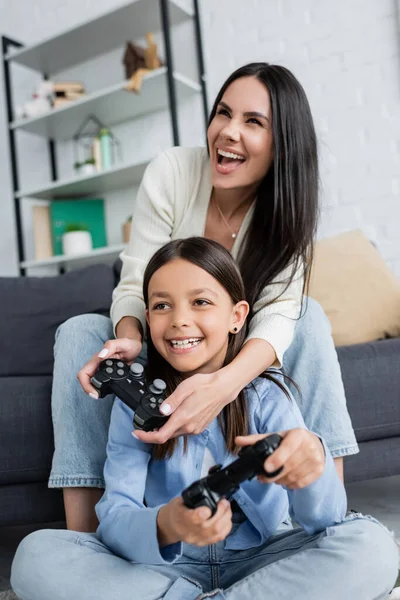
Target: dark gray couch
[[31, 310]]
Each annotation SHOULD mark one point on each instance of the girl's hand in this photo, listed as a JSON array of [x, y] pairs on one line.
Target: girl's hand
[[301, 454], [177, 523], [123, 348], [194, 404]]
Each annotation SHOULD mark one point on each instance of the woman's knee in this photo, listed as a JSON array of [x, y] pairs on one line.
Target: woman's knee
[[88, 332], [313, 319], [90, 324]]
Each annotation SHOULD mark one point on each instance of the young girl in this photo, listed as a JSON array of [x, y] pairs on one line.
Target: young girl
[[148, 545]]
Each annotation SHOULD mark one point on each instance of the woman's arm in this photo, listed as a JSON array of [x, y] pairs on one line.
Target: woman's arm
[[152, 224]]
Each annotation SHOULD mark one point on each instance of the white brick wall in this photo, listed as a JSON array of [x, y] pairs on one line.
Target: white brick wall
[[346, 55]]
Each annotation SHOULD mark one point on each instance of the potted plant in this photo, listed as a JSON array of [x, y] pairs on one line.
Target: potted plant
[[76, 239], [88, 167]]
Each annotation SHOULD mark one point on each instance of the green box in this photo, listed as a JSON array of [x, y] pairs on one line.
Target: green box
[[87, 213]]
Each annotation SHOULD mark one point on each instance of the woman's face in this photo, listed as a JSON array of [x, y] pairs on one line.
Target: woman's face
[[190, 315], [240, 136]]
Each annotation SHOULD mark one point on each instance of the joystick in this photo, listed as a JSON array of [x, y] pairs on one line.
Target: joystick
[[223, 482], [129, 384]]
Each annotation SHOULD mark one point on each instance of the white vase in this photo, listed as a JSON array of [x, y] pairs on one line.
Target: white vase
[[87, 169], [76, 242]]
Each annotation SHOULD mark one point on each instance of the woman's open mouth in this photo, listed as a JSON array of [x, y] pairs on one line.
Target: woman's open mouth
[[227, 162], [184, 346]]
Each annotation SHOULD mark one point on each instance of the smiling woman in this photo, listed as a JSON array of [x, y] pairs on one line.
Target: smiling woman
[[255, 191]]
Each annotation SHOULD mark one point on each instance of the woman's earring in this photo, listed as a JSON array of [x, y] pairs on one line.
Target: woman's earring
[[234, 329]]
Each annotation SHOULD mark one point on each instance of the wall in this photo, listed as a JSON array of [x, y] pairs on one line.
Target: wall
[[346, 54]]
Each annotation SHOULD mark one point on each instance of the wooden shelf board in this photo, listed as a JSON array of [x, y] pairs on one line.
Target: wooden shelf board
[[119, 177], [112, 105], [89, 39]]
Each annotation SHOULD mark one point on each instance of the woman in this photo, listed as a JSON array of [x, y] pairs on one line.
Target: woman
[[256, 193]]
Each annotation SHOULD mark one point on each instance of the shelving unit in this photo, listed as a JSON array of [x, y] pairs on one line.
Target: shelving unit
[[111, 105]]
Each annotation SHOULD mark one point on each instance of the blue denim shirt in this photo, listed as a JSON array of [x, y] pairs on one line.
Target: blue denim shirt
[[138, 486]]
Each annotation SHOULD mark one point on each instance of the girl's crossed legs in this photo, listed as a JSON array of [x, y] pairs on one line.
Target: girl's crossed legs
[[356, 560]]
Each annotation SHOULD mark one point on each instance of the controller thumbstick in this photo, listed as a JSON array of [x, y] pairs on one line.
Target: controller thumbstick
[[136, 369], [158, 386]]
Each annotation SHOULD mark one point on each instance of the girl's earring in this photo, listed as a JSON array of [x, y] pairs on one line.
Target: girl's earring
[[235, 330]]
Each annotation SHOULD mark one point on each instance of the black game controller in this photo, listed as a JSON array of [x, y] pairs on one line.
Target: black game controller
[[129, 384], [222, 482]]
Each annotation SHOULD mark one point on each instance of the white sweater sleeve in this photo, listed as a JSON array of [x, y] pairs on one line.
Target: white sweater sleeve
[[152, 224], [274, 319]]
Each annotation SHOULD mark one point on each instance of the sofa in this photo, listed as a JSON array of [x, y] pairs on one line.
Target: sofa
[[31, 310]]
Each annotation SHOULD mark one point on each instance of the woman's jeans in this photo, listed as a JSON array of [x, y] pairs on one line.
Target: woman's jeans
[[81, 423], [356, 560]]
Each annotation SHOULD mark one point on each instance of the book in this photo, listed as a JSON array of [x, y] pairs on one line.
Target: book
[[70, 86], [42, 232], [70, 95], [57, 102], [87, 213]]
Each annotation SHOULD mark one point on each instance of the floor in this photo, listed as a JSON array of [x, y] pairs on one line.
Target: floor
[[379, 497]]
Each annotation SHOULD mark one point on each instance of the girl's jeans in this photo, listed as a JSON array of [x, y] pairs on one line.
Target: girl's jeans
[[356, 560], [81, 423]]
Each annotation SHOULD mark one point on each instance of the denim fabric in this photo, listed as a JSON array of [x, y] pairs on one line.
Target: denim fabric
[[354, 560], [81, 423], [132, 475]]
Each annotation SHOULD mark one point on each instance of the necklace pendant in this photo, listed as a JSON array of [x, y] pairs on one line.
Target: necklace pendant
[[233, 235]]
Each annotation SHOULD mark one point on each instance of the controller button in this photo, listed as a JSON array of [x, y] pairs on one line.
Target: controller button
[[152, 405], [138, 420], [137, 369], [120, 364], [120, 372], [158, 386], [109, 370], [109, 363]]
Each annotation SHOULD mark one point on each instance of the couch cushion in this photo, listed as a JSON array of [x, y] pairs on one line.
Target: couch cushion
[[356, 289], [26, 430], [371, 376], [33, 307]]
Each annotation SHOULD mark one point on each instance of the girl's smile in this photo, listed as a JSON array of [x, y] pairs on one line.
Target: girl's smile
[[184, 345]]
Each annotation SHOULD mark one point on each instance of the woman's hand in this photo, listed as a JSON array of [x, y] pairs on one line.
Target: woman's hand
[[177, 523], [194, 404], [123, 348], [301, 454]]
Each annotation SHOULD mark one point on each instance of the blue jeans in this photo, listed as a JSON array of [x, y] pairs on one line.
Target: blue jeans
[[356, 560], [81, 423]]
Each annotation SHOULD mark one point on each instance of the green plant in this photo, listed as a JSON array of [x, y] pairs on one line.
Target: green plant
[[76, 227], [77, 165], [90, 161]]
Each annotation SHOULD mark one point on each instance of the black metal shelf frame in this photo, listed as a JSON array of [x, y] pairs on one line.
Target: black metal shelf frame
[[8, 43]]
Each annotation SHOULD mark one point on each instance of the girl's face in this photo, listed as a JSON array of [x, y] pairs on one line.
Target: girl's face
[[190, 315], [240, 136]]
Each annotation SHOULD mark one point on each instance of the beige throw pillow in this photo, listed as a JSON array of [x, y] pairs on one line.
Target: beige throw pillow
[[356, 289]]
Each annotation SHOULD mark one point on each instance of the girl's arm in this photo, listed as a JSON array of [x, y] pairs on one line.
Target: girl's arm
[[322, 502], [127, 526]]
